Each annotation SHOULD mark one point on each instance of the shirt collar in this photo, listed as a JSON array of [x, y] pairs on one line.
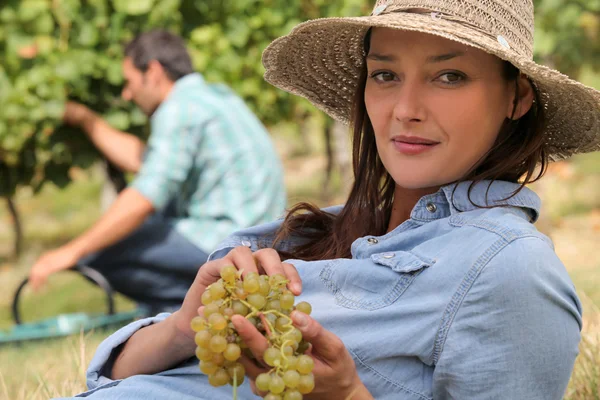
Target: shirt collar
[[455, 198], [182, 84]]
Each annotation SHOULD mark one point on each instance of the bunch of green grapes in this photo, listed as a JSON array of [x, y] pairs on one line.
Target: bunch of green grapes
[[267, 304]]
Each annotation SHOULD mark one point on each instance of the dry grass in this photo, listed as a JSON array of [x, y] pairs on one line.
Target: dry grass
[[57, 368], [43, 370]]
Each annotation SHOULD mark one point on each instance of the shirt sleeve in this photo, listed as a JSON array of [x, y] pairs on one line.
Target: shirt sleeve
[[102, 362], [516, 333], [169, 155]]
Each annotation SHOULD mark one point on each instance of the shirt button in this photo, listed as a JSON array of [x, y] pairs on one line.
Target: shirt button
[[246, 243], [389, 255], [431, 207], [372, 241]]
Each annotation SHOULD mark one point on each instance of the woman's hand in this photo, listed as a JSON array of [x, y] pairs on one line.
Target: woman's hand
[[334, 370], [264, 261]]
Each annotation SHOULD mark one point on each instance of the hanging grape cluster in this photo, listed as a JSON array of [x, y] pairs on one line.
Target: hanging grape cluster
[[267, 304]]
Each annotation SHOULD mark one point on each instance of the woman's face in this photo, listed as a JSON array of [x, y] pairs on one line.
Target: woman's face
[[436, 106]]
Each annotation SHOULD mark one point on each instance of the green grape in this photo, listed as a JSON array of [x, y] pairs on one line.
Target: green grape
[[286, 301], [304, 307], [257, 300], [281, 323], [294, 345], [218, 359], [291, 362], [217, 291], [217, 344], [272, 356], [305, 364], [240, 293], [219, 378], [276, 385], [237, 370], [303, 347], [265, 288], [206, 298], [239, 308], [212, 308], [291, 379], [253, 275], [232, 352], [198, 323], [296, 335], [204, 354], [228, 312], [292, 395], [274, 305], [229, 273], [263, 381], [202, 339], [217, 321], [288, 351], [272, 396], [251, 285], [276, 279], [208, 367], [272, 318], [306, 383]]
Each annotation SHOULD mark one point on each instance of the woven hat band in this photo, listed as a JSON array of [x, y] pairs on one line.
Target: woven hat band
[[509, 21]]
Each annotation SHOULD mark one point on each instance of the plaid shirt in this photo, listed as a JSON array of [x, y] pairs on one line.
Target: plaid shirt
[[211, 159]]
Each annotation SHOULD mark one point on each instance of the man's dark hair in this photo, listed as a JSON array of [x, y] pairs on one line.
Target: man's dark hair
[[166, 48]]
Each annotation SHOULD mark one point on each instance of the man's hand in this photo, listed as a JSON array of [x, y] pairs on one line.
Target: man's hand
[[50, 262], [75, 113]]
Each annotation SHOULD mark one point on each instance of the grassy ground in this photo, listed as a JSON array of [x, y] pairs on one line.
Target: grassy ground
[[571, 195]]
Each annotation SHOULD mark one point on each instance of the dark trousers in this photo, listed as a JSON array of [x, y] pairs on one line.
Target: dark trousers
[[155, 265]]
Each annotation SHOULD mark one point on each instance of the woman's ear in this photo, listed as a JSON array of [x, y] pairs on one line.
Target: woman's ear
[[524, 99]]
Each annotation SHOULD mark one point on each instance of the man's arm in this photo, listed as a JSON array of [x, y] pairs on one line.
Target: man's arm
[[122, 149], [126, 214]]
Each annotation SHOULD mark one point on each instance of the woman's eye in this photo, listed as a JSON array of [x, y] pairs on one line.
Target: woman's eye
[[383, 76], [451, 78]]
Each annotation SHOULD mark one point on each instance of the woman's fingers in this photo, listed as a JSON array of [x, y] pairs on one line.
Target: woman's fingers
[[270, 262], [328, 346], [291, 273], [255, 341], [243, 259]]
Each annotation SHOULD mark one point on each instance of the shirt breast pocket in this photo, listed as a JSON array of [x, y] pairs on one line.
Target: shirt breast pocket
[[371, 284]]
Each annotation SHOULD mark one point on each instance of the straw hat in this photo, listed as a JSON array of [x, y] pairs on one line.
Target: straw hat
[[321, 60]]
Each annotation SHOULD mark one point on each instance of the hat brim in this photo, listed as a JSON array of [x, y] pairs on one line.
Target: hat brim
[[321, 60]]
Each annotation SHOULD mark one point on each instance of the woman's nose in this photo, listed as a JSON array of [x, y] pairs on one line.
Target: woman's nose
[[409, 105]]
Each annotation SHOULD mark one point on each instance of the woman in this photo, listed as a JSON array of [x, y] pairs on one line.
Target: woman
[[431, 282]]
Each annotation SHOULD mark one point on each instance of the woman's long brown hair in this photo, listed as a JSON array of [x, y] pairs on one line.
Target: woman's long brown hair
[[519, 155]]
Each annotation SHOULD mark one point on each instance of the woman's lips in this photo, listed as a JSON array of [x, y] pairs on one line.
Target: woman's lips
[[413, 145]]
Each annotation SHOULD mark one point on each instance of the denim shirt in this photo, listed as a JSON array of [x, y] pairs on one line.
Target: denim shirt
[[458, 302]]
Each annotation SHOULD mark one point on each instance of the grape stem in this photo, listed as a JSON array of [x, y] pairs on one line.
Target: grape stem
[[235, 386], [266, 324]]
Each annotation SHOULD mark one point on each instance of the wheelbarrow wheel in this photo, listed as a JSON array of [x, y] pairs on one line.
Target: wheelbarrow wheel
[[90, 274]]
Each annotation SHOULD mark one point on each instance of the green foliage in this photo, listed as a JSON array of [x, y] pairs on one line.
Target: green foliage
[[567, 35], [54, 50], [51, 51]]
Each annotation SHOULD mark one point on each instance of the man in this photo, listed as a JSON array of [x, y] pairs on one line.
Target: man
[[208, 169]]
